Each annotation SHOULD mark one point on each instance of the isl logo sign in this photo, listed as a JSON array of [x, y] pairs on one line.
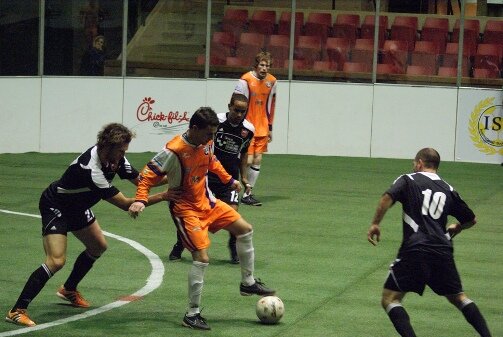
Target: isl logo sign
[[485, 127], [162, 123]]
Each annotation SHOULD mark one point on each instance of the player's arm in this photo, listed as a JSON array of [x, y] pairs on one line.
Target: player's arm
[[124, 203], [374, 232], [216, 167], [271, 108], [243, 171], [456, 228]]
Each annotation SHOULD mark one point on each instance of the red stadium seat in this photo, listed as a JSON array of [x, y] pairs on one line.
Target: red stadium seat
[[426, 53], [324, 66], [404, 28], [493, 32], [367, 28], [263, 22], [386, 68], [355, 67], [223, 44], [436, 30], [337, 50], [419, 70], [297, 64], [249, 45], [346, 26], [236, 62], [279, 47], [235, 21], [488, 56], [363, 52], [308, 48], [395, 52], [448, 72], [485, 73], [318, 24], [285, 20]]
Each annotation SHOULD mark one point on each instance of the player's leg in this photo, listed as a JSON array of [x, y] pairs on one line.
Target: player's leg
[[93, 239], [392, 303], [55, 249], [257, 147], [471, 312], [176, 251], [246, 253]]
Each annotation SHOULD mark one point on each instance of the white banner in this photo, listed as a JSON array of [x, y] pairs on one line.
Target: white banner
[[479, 126]]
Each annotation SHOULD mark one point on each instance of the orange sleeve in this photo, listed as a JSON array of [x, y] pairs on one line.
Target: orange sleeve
[[217, 168], [148, 178]]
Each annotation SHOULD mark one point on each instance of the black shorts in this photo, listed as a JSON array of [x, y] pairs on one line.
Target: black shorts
[[57, 221], [225, 194], [413, 271]]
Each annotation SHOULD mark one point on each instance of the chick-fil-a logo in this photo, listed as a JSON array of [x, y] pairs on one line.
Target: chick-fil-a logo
[[165, 121]]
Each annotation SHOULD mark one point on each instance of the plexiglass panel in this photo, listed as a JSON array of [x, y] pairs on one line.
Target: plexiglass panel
[[19, 37]]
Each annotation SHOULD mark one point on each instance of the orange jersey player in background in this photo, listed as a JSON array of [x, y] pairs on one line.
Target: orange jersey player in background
[[185, 161], [259, 86]]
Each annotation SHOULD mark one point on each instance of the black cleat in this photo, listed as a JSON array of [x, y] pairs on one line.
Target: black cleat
[[176, 253], [251, 201], [234, 259], [195, 322], [257, 288]]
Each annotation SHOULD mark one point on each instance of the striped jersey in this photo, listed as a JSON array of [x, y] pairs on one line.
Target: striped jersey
[[86, 181], [262, 101], [184, 165], [427, 201]]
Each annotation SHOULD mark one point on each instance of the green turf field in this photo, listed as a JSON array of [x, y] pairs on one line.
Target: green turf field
[[310, 243]]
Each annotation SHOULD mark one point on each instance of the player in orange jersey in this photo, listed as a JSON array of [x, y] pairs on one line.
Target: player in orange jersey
[[259, 86], [185, 161]]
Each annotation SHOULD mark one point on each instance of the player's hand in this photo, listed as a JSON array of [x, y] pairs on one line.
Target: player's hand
[[236, 186], [454, 229], [374, 234], [248, 188], [173, 194], [270, 137], [135, 209]]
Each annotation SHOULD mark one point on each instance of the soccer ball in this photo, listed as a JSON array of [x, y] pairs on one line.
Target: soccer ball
[[270, 309]]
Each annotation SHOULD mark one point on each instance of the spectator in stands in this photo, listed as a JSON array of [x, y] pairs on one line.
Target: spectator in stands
[[93, 60], [259, 86]]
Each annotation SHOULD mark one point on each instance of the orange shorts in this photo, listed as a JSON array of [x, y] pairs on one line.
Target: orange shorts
[[193, 229], [258, 145]]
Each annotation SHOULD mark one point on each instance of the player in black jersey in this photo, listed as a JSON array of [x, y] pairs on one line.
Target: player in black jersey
[[65, 206], [425, 257], [234, 134]]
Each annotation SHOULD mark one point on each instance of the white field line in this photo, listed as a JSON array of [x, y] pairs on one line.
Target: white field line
[[153, 282]]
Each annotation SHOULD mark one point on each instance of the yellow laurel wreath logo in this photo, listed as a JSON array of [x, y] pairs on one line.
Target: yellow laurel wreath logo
[[474, 128]]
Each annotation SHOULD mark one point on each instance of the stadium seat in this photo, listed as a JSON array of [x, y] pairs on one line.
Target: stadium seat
[[367, 28], [488, 56], [426, 53], [355, 67], [386, 68], [346, 26], [279, 47], [493, 32], [419, 70], [485, 73], [223, 44], [471, 35], [324, 66], [214, 60], [297, 65], [395, 52], [284, 23], [249, 45], [236, 62], [448, 72], [363, 52], [404, 28], [308, 48], [436, 30], [450, 58], [235, 21], [318, 24], [337, 50], [263, 22]]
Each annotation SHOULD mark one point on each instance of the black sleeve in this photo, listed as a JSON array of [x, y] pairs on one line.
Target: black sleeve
[[126, 171], [461, 211], [398, 189]]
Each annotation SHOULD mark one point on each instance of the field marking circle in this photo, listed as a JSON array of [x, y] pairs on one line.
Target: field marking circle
[[153, 282]]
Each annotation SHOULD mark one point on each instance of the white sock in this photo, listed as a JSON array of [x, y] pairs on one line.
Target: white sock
[[253, 172], [246, 254], [196, 282]]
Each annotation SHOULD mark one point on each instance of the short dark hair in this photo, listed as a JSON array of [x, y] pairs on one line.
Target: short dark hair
[[430, 157], [203, 117], [238, 97], [263, 56], [114, 134]]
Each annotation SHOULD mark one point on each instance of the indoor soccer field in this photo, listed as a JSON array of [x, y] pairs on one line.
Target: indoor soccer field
[[310, 245]]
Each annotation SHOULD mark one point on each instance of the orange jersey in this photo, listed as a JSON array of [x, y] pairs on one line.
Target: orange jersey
[[262, 100], [184, 165]]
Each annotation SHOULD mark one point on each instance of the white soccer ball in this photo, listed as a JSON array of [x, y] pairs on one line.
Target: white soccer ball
[[270, 309]]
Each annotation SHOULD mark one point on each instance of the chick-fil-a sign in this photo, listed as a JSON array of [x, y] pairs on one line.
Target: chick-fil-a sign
[[166, 122]]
